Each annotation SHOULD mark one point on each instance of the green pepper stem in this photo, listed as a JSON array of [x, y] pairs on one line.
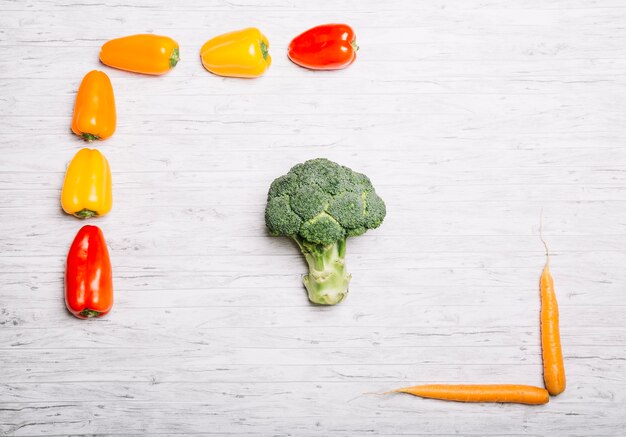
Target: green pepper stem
[[264, 50], [90, 137], [85, 213], [174, 58], [87, 313]]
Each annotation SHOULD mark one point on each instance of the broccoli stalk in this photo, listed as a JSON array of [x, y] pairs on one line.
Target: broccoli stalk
[[327, 281], [320, 204]]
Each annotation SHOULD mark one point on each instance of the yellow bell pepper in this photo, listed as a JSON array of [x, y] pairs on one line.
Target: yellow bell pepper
[[87, 188], [243, 53]]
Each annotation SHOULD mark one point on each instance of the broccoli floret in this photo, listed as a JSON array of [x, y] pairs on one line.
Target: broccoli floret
[[320, 204], [349, 209], [280, 218]]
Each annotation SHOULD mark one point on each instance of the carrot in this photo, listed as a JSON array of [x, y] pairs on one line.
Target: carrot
[[553, 369], [509, 393]]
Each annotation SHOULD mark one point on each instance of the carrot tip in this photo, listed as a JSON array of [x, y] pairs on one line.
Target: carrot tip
[[398, 390]]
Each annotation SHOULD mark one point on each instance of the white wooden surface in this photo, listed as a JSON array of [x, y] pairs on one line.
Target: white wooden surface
[[469, 116]]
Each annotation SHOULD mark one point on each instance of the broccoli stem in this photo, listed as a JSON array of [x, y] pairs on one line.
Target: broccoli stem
[[327, 281]]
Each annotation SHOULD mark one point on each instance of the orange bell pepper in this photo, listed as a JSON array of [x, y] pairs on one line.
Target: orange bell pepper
[[144, 53], [87, 187], [94, 111], [243, 53]]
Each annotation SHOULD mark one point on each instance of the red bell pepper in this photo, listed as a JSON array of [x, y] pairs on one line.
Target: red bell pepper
[[88, 277], [325, 47]]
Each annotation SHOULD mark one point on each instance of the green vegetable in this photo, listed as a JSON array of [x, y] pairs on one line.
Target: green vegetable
[[320, 204]]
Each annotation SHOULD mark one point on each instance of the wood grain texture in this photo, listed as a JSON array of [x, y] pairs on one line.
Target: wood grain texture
[[469, 117]]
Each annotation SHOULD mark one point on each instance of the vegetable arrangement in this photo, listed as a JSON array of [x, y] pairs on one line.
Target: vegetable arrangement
[[87, 188], [553, 368], [319, 204]]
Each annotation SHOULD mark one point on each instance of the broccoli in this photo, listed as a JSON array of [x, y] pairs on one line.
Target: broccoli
[[320, 204]]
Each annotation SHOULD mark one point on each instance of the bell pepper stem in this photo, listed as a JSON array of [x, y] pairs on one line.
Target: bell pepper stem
[[264, 51], [354, 46], [87, 313], [174, 58], [85, 213], [90, 137]]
